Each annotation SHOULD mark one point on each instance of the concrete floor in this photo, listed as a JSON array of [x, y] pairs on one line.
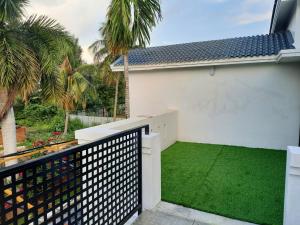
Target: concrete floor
[[159, 218], [171, 214]]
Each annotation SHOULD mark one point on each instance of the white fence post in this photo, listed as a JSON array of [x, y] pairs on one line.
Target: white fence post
[[151, 170], [151, 150], [292, 187]]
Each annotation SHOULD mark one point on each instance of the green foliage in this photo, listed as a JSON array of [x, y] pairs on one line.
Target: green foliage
[[76, 87], [12, 10], [76, 124], [236, 182], [45, 117], [30, 52], [41, 121], [104, 92], [75, 54], [129, 23], [35, 114], [57, 123]]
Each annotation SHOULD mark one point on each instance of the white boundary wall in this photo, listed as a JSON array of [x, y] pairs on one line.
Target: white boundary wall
[[253, 105], [165, 124], [292, 187], [93, 120]]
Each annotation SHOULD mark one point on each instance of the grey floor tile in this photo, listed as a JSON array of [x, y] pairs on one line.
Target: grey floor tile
[[200, 218], [198, 223], [158, 218]]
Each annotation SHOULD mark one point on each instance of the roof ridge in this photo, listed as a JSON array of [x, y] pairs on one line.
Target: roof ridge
[[214, 40]]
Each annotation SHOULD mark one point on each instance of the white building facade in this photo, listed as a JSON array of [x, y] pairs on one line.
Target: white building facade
[[255, 105], [251, 100]]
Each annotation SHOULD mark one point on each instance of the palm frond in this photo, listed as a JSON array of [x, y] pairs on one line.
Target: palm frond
[[51, 85], [117, 29], [100, 50], [74, 86], [79, 85], [31, 52], [18, 63], [66, 67], [49, 40], [129, 23], [51, 43], [146, 15], [99, 44], [107, 74], [12, 10]]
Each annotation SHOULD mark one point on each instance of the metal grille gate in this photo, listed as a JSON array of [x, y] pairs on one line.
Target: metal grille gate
[[96, 183]]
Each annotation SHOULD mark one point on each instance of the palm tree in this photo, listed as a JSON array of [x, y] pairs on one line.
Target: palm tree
[[30, 52], [89, 71], [111, 78], [129, 23], [75, 89], [102, 57]]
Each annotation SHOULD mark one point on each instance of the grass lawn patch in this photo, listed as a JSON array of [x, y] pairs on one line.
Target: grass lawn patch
[[236, 182]]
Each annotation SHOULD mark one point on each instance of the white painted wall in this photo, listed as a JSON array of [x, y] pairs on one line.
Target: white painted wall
[[164, 123], [292, 187], [255, 105], [93, 120], [294, 25]]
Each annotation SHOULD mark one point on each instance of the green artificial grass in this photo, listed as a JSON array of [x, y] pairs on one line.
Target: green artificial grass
[[236, 182]]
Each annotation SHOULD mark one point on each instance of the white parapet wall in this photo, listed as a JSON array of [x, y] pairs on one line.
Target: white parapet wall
[[93, 120], [164, 123], [163, 133], [292, 187]]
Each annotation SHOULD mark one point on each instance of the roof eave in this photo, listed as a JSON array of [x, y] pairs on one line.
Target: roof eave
[[292, 55], [281, 16], [274, 16], [233, 61]]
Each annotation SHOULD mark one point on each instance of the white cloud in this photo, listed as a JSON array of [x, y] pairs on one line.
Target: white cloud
[[81, 17], [254, 11], [249, 2], [217, 1], [249, 18]]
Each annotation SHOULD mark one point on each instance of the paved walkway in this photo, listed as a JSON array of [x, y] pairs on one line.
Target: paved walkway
[[159, 218], [170, 214]]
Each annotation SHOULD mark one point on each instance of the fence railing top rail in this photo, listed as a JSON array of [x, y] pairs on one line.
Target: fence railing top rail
[[95, 183], [65, 152]]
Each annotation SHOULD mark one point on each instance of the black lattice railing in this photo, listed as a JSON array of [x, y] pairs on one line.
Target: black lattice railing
[[97, 183]]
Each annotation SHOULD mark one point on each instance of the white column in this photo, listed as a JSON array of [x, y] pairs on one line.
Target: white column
[[151, 170], [292, 187]]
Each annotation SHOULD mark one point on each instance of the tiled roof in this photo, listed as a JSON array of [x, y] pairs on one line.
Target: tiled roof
[[261, 45]]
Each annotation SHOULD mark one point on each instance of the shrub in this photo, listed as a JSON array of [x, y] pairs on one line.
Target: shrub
[[57, 123], [34, 114], [76, 124]]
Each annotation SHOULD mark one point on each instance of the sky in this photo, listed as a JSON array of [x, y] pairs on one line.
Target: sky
[[183, 20]]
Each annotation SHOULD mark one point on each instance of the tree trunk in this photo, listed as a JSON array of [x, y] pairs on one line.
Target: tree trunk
[[8, 128], [116, 96], [26, 100], [66, 123], [126, 75]]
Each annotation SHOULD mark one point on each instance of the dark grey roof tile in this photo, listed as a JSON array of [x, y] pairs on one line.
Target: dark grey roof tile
[[259, 45]]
